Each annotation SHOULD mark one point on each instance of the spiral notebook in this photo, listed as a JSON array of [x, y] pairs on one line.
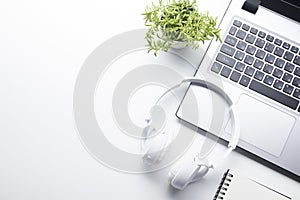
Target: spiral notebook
[[235, 186]]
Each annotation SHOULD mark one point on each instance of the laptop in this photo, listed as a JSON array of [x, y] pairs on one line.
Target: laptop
[[258, 65]]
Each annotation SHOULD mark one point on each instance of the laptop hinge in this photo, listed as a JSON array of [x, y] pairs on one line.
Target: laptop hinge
[[251, 5]]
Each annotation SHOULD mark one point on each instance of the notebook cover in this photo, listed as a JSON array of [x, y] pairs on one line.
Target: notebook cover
[[235, 186]]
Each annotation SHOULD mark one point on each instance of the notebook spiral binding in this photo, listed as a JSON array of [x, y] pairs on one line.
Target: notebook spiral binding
[[223, 187]]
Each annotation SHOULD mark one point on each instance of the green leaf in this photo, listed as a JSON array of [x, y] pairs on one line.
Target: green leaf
[[171, 20]]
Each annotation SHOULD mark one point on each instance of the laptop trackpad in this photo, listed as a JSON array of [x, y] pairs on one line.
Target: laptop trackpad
[[263, 126]]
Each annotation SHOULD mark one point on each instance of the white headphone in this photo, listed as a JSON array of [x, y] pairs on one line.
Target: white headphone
[[155, 150]]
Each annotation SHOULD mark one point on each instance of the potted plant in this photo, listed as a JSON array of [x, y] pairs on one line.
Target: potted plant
[[174, 23]]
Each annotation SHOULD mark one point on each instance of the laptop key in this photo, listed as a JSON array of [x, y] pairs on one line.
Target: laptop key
[[279, 62], [239, 55], [225, 60], [296, 93], [232, 30], [258, 64], [246, 27], [260, 54], [286, 45], [278, 42], [288, 56], [274, 94], [278, 51], [270, 38], [227, 49], [268, 80], [237, 23], [216, 67], [294, 49], [241, 45], [269, 47], [253, 30], [250, 38], [270, 58], [297, 60], [240, 66], [296, 82], [268, 68], [248, 60], [278, 84], [249, 71], [289, 67], [244, 81], [235, 76], [226, 72], [287, 77], [297, 71], [288, 89], [259, 75], [277, 73], [230, 40], [261, 34], [259, 42], [251, 49], [240, 34]]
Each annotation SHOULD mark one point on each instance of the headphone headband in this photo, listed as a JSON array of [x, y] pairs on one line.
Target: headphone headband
[[210, 86], [197, 168]]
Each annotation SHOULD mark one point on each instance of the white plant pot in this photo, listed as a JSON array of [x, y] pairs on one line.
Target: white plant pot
[[178, 45]]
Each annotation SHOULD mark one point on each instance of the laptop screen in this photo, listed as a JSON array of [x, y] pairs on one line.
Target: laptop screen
[[288, 8], [295, 3]]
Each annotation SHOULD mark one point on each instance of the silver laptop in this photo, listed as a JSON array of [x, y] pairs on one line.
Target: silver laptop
[[258, 66]]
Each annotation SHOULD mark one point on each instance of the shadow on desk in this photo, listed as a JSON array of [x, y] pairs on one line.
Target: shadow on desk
[[245, 152]]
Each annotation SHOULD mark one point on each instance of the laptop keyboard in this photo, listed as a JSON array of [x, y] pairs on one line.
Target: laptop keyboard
[[254, 58]]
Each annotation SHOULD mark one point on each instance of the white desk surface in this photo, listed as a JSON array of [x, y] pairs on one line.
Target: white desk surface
[[42, 47]]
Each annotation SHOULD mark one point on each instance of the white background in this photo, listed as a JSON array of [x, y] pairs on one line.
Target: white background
[[42, 47]]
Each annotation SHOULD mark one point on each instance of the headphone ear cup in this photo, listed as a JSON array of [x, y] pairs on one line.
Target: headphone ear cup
[[188, 173], [172, 173], [155, 149], [155, 141]]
